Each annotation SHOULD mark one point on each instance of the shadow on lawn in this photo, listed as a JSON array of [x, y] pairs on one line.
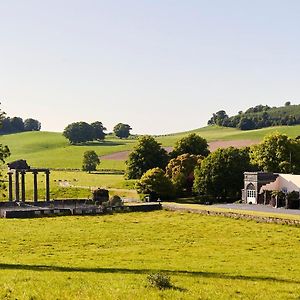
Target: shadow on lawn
[[48, 268]]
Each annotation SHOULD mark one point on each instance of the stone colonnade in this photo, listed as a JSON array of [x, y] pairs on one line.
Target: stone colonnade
[[17, 173]]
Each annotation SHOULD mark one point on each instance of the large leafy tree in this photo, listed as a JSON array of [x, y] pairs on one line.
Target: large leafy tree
[[277, 153], [220, 174], [181, 172], [147, 154], [98, 131], [155, 184], [32, 125], [122, 130], [90, 161], [192, 144], [79, 132]]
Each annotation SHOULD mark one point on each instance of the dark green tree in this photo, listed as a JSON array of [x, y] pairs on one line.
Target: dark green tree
[[32, 125], [90, 161], [192, 144], [181, 172], [79, 132], [218, 118], [98, 131], [220, 174], [147, 154], [16, 124], [122, 130], [155, 184]]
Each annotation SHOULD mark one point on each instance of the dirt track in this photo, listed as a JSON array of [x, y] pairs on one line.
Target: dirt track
[[123, 155]]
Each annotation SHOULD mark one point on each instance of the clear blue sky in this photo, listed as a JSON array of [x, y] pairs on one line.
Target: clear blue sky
[[160, 66]]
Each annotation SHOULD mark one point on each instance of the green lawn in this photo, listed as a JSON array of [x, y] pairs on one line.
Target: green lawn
[[52, 150], [109, 257]]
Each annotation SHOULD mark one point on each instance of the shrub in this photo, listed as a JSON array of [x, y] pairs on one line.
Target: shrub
[[116, 201], [101, 195], [159, 280]]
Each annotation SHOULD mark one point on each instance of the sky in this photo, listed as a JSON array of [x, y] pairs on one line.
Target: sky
[[160, 66]]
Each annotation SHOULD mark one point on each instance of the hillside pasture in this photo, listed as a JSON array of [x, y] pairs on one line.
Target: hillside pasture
[[110, 257], [52, 150]]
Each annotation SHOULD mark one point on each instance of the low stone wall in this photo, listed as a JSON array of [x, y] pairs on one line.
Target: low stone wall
[[67, 207], [235, 215]]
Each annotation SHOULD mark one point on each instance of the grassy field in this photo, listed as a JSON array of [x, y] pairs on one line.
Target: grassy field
[[77, 184], [109, 257], [52, 150]]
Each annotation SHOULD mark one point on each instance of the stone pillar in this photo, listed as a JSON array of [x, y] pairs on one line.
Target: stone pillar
[[23, 192], [10, 186], [47, 173], [17, 186], [35, 187]]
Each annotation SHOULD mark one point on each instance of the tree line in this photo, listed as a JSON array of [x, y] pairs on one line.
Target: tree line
[[82, 132], [17, 124], [191, 170], [259, 116]]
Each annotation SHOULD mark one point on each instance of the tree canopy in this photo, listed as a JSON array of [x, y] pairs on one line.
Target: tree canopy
[[81, 132], [221, 173], [155, 184], [122, 130], [16, 124], [277, 153], [192, 144], [181, 172], [90, 161], [146, 154], [259, 116]]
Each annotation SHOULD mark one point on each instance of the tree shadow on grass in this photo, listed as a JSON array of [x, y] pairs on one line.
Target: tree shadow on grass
[[48, 268]]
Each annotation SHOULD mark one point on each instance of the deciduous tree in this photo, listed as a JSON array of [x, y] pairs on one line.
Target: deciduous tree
[[90, 161], [277, 153], [181, 172], [221, 173], [122, 130], [147, 154], [155, 184], [191, 144]]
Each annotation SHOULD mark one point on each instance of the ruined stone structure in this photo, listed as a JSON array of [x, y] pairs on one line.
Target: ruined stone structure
[[18, 170]]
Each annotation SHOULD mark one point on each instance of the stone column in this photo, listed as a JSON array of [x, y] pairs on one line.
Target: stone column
[[23, 192], [47, 173], [35, 187], [17, 186], [10, 186]]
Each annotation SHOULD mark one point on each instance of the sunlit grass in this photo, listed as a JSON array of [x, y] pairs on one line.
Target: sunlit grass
[[109, 257]]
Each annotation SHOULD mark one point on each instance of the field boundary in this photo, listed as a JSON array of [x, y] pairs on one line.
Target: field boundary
[[233, 215]]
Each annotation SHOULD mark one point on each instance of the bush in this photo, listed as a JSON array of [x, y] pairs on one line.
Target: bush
[[116, 201], [101, 195], [159, 280]]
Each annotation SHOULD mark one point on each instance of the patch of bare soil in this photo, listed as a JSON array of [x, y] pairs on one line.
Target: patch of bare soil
[[123, 155], [236, 143]]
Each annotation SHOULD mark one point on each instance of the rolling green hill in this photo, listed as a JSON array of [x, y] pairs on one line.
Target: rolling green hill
[[50, 149]]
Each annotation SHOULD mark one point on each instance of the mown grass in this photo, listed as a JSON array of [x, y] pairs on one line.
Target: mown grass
[[52, 150], [109, 257], [78, 184]]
